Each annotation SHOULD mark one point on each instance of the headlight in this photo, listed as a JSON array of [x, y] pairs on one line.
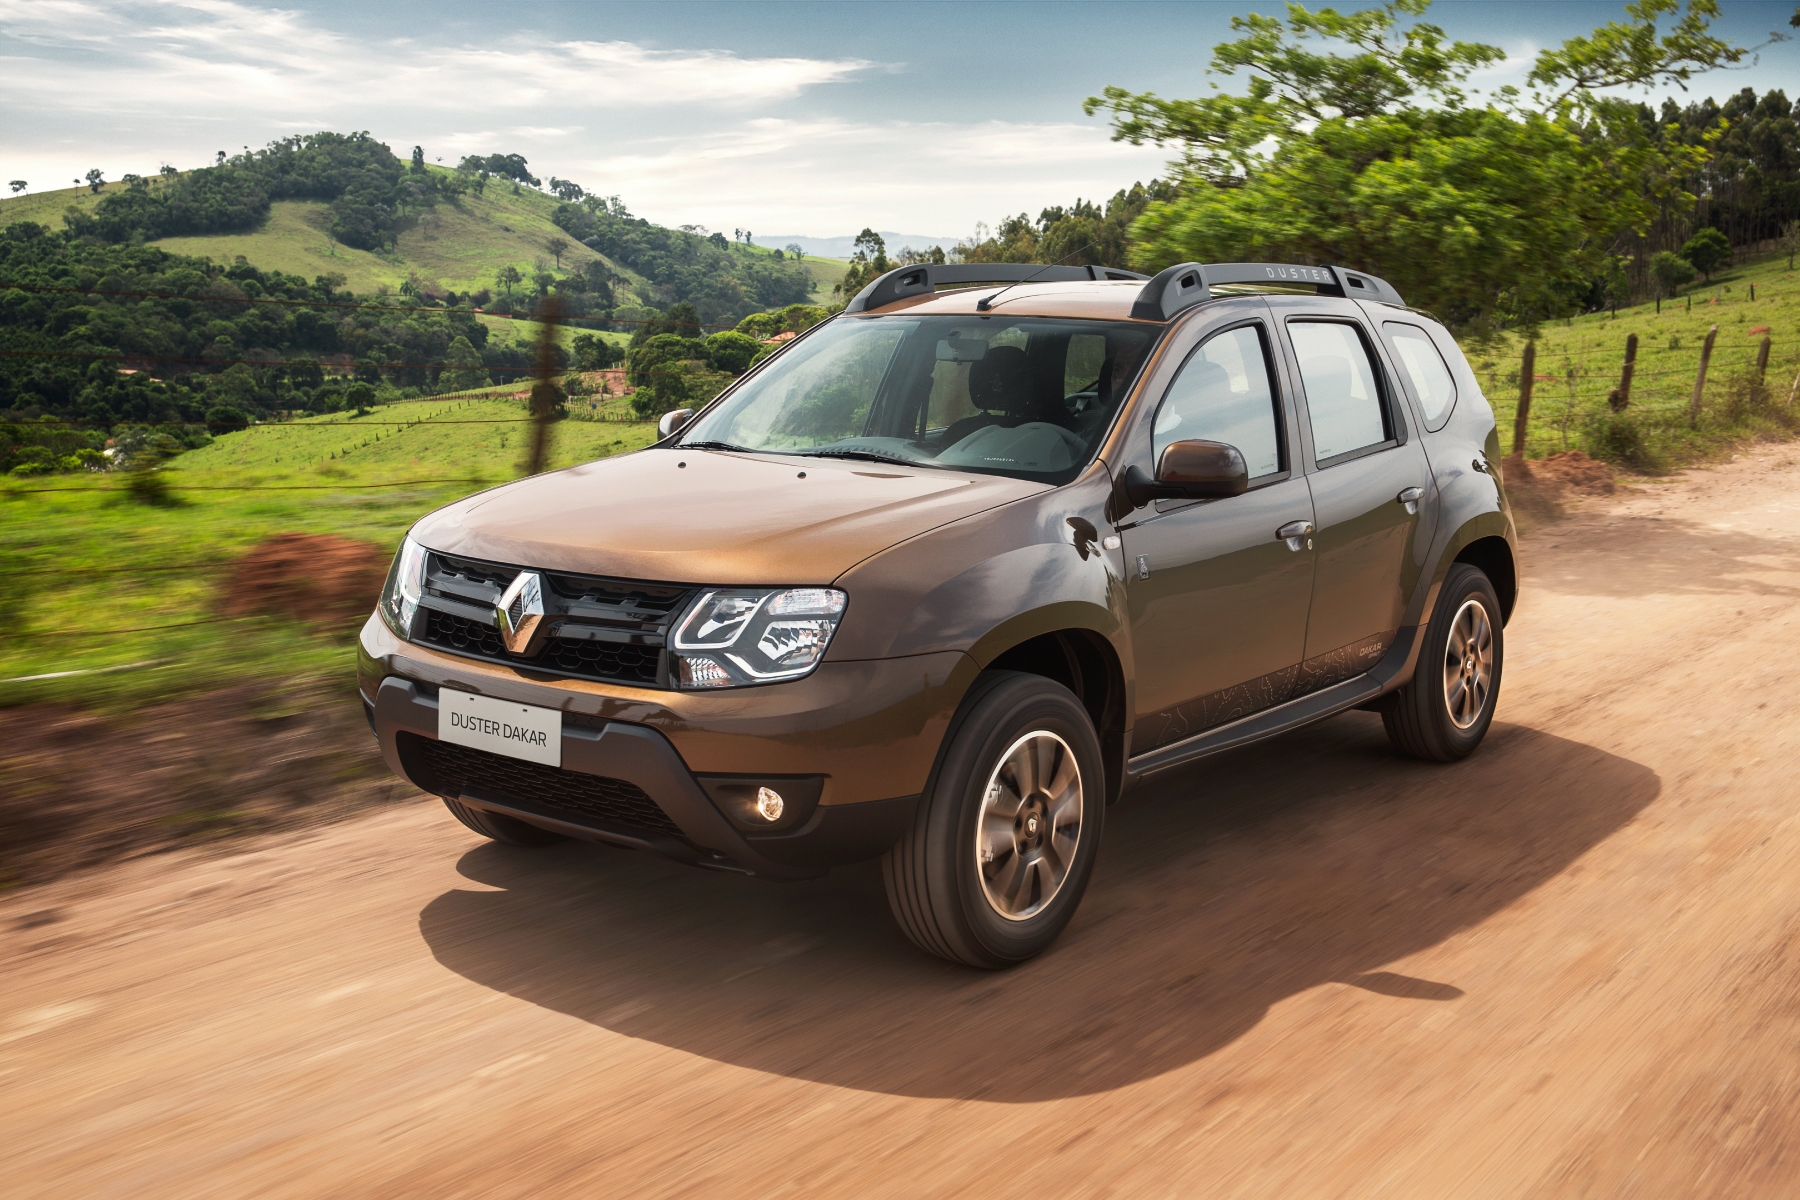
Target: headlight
[[738, 636], [405, 584]]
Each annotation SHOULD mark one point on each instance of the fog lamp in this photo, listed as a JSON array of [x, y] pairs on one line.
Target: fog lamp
[[769, 804]]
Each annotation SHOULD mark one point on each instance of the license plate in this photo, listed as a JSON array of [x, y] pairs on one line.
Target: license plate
[[500, 726]]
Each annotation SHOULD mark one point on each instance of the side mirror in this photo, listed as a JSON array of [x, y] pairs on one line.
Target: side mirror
[[672, 421], [1190, 470]]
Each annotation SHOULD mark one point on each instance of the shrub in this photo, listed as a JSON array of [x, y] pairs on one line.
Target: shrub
[[1617, 437]]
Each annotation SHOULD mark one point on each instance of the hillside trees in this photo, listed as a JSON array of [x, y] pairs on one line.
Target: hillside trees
[[722, 283], [198, 339], [369, 191], [1083, 234], [1503, 213]]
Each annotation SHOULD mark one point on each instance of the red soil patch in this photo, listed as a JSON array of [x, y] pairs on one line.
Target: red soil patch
[[307, 577], [1576, 472]]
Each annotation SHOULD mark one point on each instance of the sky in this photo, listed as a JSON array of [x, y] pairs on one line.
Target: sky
[[779, 118]]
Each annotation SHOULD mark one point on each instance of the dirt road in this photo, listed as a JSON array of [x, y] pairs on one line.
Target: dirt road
[[1568, 966]]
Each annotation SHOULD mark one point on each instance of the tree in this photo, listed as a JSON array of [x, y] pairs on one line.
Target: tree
[[463, 369], [867, 262], [95, 180], [794, 249], [1670, 271], [361, 395], [731, 351], [557, 247], [1708, 250], [17, 185], [1790, 233], [1497, 214], [506, 277], [594, 353]]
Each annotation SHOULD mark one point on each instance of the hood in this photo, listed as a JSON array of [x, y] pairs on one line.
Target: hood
[[706, 517]]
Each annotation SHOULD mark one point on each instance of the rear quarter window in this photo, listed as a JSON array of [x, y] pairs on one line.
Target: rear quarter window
[[1425, 370]]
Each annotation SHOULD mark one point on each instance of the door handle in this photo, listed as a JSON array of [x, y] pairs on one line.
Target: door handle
[[1297, 535], [1410, 498]]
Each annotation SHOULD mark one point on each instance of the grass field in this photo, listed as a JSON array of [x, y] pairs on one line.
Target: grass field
[[88, 564], [1579, 361]]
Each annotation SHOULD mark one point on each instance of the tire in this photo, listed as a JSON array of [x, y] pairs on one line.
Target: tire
[[509, 831], [1042, 836], [1442, 714]]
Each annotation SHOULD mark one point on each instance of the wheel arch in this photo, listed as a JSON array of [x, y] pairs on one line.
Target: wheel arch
[[1493, 556], [1086, 663]]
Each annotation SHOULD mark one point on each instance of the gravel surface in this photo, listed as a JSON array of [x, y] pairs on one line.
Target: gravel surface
[[1565, 967]]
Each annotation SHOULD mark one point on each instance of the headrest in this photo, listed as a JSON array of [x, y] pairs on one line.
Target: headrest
[[998, 382]]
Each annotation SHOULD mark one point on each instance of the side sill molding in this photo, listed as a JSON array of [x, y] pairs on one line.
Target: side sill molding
[[1257, 726]]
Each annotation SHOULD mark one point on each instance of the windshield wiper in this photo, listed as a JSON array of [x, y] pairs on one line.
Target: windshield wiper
[[714, 446], [870, 455]]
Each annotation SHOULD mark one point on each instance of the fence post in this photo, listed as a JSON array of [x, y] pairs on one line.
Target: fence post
[[1526, 370], [1700, 379], [1620, 399], [1762, 358]]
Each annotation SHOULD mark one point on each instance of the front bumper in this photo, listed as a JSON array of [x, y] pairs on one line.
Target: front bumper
[[854, 743]]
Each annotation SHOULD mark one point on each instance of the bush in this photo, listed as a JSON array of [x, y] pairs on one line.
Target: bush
[[1617, 437], [224, 418]]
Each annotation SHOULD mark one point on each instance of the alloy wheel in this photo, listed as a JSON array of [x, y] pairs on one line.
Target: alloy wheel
[[1468, 664], [1029, 825]]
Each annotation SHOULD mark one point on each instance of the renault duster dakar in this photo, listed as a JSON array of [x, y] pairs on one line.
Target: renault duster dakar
[[954, 570]]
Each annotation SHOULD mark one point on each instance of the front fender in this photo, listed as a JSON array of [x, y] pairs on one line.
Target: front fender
[[952, 589]]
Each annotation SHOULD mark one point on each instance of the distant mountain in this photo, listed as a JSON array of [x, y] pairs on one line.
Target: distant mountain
[[842, 247]]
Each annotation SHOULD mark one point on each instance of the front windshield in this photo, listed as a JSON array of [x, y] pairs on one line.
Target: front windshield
[[1023, 396]]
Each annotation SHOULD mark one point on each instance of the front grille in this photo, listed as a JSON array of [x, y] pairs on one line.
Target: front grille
[[600, 660], [452, 770], [632, 618], [462, 635]]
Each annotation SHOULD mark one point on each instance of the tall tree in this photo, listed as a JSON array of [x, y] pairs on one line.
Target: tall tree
[[868, 261], [1354, 142], [557, 246], [95, 180]]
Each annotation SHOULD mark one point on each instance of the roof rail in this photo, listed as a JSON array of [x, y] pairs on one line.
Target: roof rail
[[924, 278], [1184, 285]]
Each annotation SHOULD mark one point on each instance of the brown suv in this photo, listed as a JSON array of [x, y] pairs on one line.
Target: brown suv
[[955, 569]]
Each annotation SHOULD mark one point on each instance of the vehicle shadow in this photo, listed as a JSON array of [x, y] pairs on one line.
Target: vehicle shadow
[[1314, 858]]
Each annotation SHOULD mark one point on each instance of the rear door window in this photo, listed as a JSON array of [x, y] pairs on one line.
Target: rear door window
[[1343, 397], [1223, 394], [1425, 369]]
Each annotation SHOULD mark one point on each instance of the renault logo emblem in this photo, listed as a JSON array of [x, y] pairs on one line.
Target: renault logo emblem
[[520, 611]]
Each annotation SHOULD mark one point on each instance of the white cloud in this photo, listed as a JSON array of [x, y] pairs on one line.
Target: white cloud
[[682, 135]]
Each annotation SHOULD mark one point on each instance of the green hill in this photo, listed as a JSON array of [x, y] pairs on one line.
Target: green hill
[[455, 246]]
